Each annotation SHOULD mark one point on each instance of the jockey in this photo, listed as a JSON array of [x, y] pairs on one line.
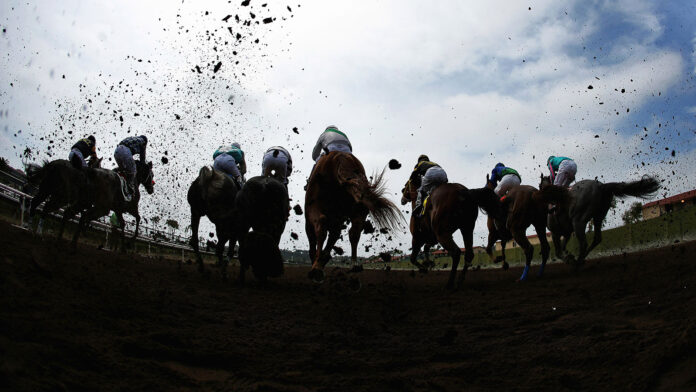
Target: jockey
[[230, 160], [331, 140], [507, 176], [124, 159], [562, 170], [426, 176], [277, 159], [83, 148]]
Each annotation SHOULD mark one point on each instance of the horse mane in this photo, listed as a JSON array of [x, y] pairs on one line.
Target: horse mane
[[35, 172]]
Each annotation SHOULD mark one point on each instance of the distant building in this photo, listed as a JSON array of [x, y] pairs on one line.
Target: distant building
[[660, 207]]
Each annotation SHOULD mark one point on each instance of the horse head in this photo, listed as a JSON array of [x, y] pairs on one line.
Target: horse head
[[95, 163], [408, 193], [145, 176], [489, 183], [544, 181]]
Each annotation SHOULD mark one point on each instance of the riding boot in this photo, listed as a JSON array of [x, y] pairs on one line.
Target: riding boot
[[418, 211], [130, 186]]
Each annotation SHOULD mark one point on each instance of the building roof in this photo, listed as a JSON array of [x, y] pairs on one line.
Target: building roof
[[672, 199]]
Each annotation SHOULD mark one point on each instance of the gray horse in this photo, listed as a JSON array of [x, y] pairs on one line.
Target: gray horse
[[212, 194], [106, 194], [60, 185], [590, 200], [263, 206]]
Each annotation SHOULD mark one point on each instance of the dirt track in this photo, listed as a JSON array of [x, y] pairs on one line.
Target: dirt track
[[98, 321]]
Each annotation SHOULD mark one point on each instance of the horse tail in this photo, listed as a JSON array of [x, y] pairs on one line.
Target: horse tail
[[552, 194], [643, 188], [36, 173], [369, 194], [485, 199]]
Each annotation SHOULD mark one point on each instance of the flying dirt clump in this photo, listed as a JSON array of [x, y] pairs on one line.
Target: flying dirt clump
[[297, 209], [394, 164]]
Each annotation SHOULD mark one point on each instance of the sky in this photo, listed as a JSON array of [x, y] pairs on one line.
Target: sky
[[607, 83]]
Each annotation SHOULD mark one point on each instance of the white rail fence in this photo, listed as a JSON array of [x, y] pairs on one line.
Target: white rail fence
[[148, 234]]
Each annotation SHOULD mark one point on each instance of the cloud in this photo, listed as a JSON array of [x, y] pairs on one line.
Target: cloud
[[470, 84]]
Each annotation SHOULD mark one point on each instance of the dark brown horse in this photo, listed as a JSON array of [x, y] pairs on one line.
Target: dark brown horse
[[589, 200], [106, 195], [263, 206], [338, 191], [523, 206], [60, 185], [450, 207], [213, 194]]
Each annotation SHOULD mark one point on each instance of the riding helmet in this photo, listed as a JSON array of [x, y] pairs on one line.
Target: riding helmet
[[144, 138], [423, 157], [92, 138]]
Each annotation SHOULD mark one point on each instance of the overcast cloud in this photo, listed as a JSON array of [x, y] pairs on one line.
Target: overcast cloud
[[468, 83]]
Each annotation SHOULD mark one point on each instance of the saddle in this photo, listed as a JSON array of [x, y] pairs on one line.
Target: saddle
[[124, 186]]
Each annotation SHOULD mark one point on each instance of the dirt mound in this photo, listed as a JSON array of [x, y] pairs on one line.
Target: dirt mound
[[101, 321]]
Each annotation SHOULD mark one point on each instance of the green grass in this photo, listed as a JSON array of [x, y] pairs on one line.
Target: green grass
[[678, 225]]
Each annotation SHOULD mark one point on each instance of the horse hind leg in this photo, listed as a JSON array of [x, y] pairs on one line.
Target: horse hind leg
[[523, 242], [320, 233], [452, 248], [356, 226], [195, 220], [68, 214], [597, 238], [579, 228], [544, 245], [468, 237], [416, 244]]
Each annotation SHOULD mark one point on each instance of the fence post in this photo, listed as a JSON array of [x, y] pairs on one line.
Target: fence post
[[182, 255], [107, 239], [21, 210]]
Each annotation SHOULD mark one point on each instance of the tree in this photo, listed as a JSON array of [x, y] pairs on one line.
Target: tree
[[26, 156], [633, 214], [174, 225], [155, 220]]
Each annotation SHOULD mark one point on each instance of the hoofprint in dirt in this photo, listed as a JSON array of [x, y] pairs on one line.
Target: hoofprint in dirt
[[100, 321]]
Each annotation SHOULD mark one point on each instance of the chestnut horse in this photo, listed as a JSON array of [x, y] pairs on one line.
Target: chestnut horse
[[338, 191], [523, 206], [450, 207]]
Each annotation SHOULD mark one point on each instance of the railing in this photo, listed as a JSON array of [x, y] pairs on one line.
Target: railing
[[23, 200]]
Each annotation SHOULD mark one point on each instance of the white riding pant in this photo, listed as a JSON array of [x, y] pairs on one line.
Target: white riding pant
[[566, 173], [506, 183], [277, 165], [226, 164]]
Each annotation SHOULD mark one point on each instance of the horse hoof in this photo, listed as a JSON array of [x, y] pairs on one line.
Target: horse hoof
[[316, 275], [506, 266]]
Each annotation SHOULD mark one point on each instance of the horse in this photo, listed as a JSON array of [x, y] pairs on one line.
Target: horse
[[589, 200], [450, 207], [213, 194], [106, 194], [262, 205], [337, 191], [523, 206], [63, 186], [494, 234]]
